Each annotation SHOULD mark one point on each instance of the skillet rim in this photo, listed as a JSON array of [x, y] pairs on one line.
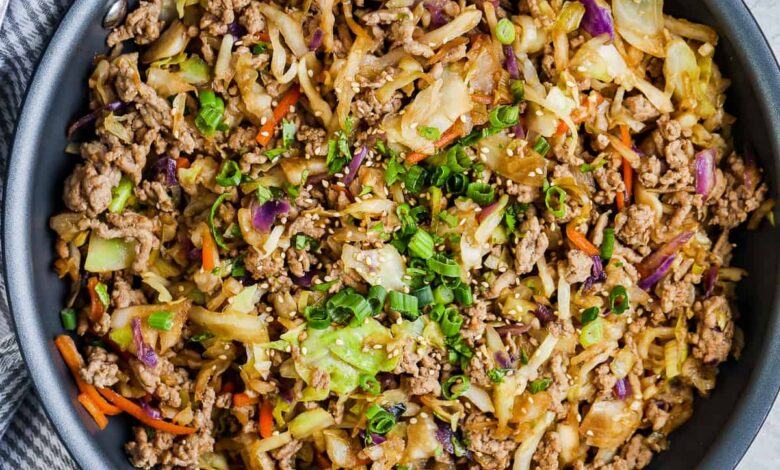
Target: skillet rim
[[736, 22]]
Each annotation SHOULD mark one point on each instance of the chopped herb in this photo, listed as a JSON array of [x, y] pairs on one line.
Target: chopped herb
[[430, 133], [288, 133], [260, 47], [539, 385], [497, 374], [590, 314], [365, 189]]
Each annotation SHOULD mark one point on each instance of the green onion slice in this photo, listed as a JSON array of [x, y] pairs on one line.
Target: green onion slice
[[212, 213], [376, 298], [161, 320], [539, 385], [229, 174], [455, 386], [424, 296], [592, 333], [443, 295], [404, 304], [316, 317], [421, 244], [505, 31], [541, 146], [451, 322], [463, 295], [457, 184], [380, 420], [369, 384], [120, 195], [608, 244], [589, 314], [555, 200], [68, 317], [481, 193], [618, 299], [443, 266]]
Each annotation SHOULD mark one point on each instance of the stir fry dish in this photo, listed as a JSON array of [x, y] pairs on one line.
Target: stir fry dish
[[403, 234]]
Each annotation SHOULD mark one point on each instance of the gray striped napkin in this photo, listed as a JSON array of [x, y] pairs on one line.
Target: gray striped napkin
[[27, 437]]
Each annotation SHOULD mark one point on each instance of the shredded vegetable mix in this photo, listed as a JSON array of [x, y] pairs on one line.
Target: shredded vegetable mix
[[403, 235]]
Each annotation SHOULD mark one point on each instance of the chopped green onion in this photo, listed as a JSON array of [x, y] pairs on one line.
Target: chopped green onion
[[376, 298], [448, 218], [238, 269], [369, 384], [380, 420], [436, 313], [556, 207], [404, 304], [346, 302], [590, 314], [457, 184], [518, 89], [496, 375], [161, 320], [263, 194], [414, 180], [539, 385], [505, 31], [608, 244], [523, 357], [260, 47], [588, 167], [229, 174], [439, 175], [541, 146], [210, 113], [451, 322], [273, 154], [214, 232], [455, 386], [201, 337], [618, 299], [323, 287], [504, 116], [481, 193], [102, 292], [459, 345], [458, 160], [424, 296], [316, 317], [443, 266], [430, 133], [463, 295], [443, 295], [120, 195], [421, 244], [68, 317], [592, 333]]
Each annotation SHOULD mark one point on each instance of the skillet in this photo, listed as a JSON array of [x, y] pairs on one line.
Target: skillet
[[722, 426]]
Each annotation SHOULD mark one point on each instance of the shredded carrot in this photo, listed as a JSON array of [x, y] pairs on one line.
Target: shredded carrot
[[266, 421], [73, 360], [288, 101], [138, 413], [580, 241], [264, 36], [242, 399], [625, 136], [208, 252], [93, 410], [562, 128], [620, 201], [95, 305], [455, 131], [182, 162]]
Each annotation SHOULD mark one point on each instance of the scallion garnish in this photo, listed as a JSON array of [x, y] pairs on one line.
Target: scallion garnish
[[589, 314], [376, 298], [517, 87], [463, 295], [608, 244], [592, 333], [443, 295], [421, 244], [404, 304], [210, 114], [448, 218], [120, 195], [458, 160], [496, 375], [369, 384], [379, 420], [443, 266], [414, 179], [457, 184], [505, 31], [451, 322], [541, 146], [161, 320], [68, 317], [229, 174], [316, 317], [430, 133], [539, 385], [424, 296], [555, 200], [212, 213], [481, 193], [455, 386], [618, 299], [439, 176]]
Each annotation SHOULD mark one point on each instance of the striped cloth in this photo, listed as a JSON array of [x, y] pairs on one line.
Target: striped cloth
[[28, 439]]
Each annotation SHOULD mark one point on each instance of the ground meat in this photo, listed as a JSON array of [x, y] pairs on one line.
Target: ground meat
[[315, 140], [337, 199], [299, 261], [476, 316], [144, 451], [546, 455], [142, 24], [409, 359], [101, 369], [388, 16], [560, 386], [579, 266], [675, 295], [427, 378], [610, 181], [604, 381], [88, 188], [320, 379], [739, 199], [285, 456], [269, 269], [490, 452], [163, 381], [633, 227], [649, 171], [368, 107], [679, 153], [403, 35], [642, 109], [477, 371], [155, 194], [531, 245], [252, 19], [714, 330], [308, 224], [635, 454]]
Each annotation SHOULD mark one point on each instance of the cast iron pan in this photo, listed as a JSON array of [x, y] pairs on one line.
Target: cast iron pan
[[722, 426]]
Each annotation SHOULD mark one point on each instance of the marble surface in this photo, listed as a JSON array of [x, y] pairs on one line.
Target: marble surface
[[764, 454]]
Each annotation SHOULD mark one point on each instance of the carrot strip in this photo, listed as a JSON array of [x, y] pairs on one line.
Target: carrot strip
[[447, 138], [288, 100], [264, 36], [580, 241], [208, 252], [95, 305], [620, 201], [266, 421], [242, 399], [562, 128], [73, 360], [138, 413], [182, 162], [625, 136], [94, 411]]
